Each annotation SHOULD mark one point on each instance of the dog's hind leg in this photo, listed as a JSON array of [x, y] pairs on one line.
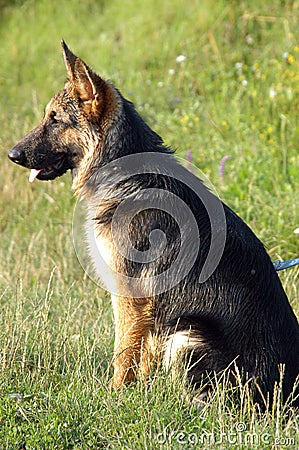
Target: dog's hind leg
[[133, 332], [196, 345]]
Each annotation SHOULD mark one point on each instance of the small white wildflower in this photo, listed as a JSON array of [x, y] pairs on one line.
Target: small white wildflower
[[289, 93], [180, 58], [171, 71], [238, 65], [296, 231], [249, 39], [285, 55], [160, 84], [272, 93], [244, 83]]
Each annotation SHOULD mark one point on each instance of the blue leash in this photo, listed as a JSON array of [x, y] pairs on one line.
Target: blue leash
[[281, 265]]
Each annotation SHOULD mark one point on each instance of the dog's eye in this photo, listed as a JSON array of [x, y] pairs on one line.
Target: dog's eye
[[53, 117]]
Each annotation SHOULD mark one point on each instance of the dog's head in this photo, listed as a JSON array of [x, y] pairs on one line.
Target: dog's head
[[75, 122]]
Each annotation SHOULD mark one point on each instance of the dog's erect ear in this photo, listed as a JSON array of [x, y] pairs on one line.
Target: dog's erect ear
[[69, 59], [83, 78], [85, 81]]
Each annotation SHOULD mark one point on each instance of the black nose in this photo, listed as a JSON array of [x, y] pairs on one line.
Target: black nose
[[16, 155]]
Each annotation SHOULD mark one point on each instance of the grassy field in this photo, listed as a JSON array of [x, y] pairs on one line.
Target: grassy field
[[236, 94]]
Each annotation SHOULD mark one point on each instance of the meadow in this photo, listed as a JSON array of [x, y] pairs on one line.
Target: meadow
[[219, 81]]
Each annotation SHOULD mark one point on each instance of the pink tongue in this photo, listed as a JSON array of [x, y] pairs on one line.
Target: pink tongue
[[33, 174]]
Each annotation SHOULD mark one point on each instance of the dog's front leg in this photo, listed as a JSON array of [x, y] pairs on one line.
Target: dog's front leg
[[133, 329]]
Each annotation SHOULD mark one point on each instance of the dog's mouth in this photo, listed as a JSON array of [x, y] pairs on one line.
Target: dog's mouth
[[56, 169]]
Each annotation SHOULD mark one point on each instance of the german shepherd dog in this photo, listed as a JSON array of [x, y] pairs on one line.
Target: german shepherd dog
[[237, 315]]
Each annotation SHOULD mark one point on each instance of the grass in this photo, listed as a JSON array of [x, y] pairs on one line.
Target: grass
[[236, 94]]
